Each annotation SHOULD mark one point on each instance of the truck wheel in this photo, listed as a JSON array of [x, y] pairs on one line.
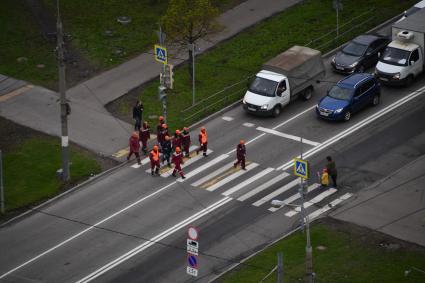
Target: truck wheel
[[308, 93], [347, 115], [276, 111]]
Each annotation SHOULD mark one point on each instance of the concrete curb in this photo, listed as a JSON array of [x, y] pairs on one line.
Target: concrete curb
[[69, 191]]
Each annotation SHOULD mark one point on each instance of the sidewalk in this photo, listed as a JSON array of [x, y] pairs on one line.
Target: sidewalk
[[90, 124], [394, 206]]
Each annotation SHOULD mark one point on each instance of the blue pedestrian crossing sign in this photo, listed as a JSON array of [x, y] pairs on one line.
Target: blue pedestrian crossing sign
[[301, 168], [161, 54]]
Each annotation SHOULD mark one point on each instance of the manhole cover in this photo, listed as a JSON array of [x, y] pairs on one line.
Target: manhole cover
[[124, 20], [40, 66], [152, 117], [22, 59], [118, 51], [108, 33], [321, 248]]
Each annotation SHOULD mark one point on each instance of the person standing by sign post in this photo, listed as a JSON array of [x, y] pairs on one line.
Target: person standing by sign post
[[137, 115]]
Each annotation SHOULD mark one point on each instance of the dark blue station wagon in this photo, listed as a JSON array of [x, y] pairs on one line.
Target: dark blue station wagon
[[348, 96]]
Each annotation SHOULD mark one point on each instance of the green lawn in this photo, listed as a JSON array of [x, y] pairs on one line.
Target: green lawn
[[30, 171], [22, 38], [243, 55], [349, 257]]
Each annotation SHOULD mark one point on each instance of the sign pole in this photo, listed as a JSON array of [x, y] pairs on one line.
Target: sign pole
[[1, 183], [161, 88]]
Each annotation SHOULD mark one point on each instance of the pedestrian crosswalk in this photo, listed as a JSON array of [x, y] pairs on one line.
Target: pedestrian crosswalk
[[257, 185]]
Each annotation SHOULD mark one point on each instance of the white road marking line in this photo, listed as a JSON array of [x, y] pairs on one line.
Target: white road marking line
[[294, 197], [203, 167], [333, 203], [226, 118], [249, 125], [187, 163], [277, 192], [231, 177], [356, 127], [212, 175], [153, 240], [287, 136], [314, 200], [248, 142], [248, 181], [86, 230], [294, 117], [263, 186], [136, 165]]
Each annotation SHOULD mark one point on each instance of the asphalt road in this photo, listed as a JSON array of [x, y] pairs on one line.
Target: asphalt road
[[131, 227]]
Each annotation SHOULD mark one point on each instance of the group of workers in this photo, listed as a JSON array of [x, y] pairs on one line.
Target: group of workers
[[170, 149]]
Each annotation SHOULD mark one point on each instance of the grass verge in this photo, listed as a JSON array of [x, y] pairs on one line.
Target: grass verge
[[349, 254], [243, 55]]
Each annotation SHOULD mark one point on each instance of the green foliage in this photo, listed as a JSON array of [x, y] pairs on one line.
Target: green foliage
[[30, 171], [188, 20], [346, 259]]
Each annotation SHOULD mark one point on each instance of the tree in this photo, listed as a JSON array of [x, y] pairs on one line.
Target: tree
[[186, 21]]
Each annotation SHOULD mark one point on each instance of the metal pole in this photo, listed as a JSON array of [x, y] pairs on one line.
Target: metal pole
[[337, 19], [62, 91], [193, 73], [1, 183], [279, 267], [162, 82]]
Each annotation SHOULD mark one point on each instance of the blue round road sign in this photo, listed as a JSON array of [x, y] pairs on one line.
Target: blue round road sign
[[193, 262]]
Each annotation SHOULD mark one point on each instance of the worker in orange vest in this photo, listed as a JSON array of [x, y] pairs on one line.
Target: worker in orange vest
[[154, 157], [240, 155], [203, 141], [178, 160]]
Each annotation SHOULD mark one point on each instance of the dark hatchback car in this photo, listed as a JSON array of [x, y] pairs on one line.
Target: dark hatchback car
[[359, 54], [349, 95]]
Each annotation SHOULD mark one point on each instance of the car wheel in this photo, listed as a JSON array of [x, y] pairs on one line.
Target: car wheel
[[276, 111], [360, 69], [409, 81], [376, 100], [308, 93], [347, 116]]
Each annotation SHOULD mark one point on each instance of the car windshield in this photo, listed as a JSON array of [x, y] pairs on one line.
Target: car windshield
[[395, 56], [263, 87], [354, 49], [340, 93]]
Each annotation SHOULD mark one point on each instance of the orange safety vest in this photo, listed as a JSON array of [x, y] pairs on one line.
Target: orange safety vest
[[203, 137], [155, 155]]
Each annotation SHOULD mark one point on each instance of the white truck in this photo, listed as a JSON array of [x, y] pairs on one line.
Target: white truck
[[284, 78], [403, 59]]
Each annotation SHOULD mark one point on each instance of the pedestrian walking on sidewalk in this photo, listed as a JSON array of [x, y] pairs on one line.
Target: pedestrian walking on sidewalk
[[203, 141], [186, 141], [154, 158], [144, 136], [178, 160], [331, 167], [162, 134], [166, 150], [137, 115], [159, 129], [240, 155], [134, 147], [177, 140]]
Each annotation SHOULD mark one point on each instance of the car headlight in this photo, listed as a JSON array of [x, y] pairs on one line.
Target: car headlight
[[396, 76], [339, 110], [244, 101], [353, 65], [333, 59], [264, 106]]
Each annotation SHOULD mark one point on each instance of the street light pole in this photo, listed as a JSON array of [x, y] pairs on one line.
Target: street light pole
[[1, 184], [193, 73], [62, 91]]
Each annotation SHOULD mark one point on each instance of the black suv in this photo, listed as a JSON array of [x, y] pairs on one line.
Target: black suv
[[359, 54]]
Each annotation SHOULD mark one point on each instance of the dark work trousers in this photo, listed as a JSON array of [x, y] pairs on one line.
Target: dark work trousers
[[203, 147], [241, 161]]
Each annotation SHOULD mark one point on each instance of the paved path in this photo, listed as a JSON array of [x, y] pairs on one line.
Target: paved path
[[91, 126]]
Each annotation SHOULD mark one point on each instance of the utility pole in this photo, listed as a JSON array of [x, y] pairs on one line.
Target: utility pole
[[1, 184], [309, 276], [193, 48], [280, 267], [62, 90], [162, 88]]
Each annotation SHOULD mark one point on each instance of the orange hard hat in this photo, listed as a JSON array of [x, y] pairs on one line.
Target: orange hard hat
[[203, 129], [242, 142], [177, 132], [177, 149], [135, 134], [164, 126], [155, 148], [325, 170], [161, 118], [167, 138]]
